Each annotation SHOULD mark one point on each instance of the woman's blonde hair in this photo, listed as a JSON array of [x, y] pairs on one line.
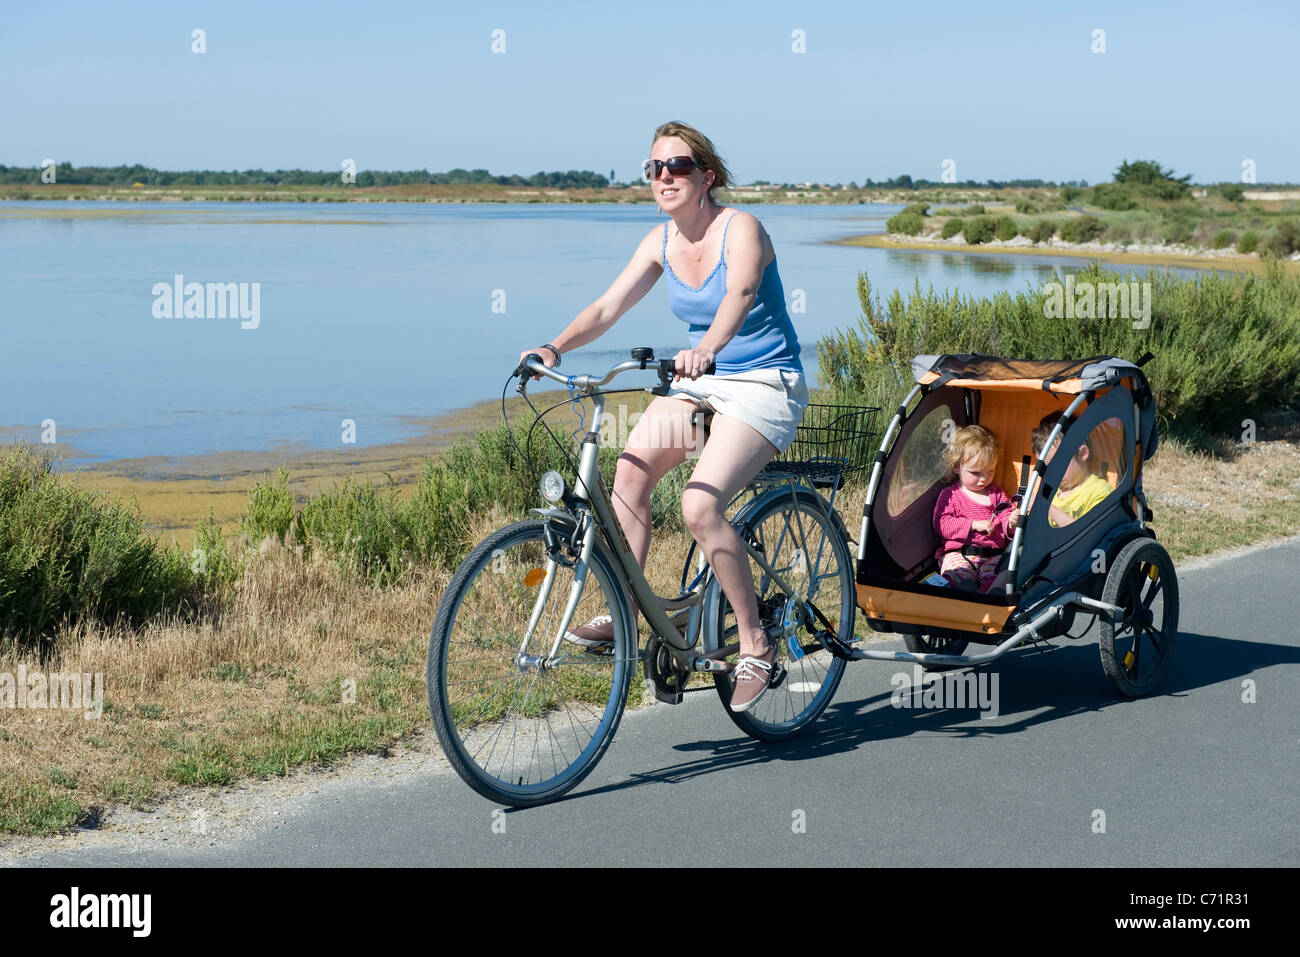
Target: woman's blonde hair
[[971, 442], [701, 147]]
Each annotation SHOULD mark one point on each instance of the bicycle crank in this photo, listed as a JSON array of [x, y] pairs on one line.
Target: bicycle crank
[[667, 678]]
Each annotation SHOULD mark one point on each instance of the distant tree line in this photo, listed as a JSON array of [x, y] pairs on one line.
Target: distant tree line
[[127, 175], [906, 182]]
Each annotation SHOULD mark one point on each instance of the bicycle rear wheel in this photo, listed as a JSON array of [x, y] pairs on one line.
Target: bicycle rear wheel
[[809, 549], [516, 733]]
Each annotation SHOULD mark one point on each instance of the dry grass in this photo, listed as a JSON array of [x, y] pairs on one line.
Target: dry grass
[[1236, 494]]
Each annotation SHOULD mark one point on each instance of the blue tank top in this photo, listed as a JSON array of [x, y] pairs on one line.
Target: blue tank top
[[766, 340]]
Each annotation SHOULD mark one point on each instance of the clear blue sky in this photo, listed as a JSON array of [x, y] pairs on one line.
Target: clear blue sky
[[1005, 89]]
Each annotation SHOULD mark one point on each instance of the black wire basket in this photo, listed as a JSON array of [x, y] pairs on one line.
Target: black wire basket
[[831, 442]]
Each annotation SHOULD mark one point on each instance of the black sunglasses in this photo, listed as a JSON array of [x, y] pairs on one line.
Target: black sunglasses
[[677, 165]]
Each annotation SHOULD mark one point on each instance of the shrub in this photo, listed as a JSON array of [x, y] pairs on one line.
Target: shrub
[[1113, 196], [952, 227], [1223, 239], [1117, 233], [1070, 193], [918, 209], [1082, 230], [215, 566], [1041, 231], [1026, 207], [1177, 231], [1006, 228], [976, 209], [270, 509], [909, 224], [979, 230], [359, 526], [69, 554], [1232, 192], [1284, 240], [1249, 242], [1196, 322]]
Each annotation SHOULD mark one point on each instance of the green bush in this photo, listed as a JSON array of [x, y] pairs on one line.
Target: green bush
[[1113, 196], [1232, 192], [69, 554], [1223, 239], [270, 509], [976, 209], [909, 224], [1284, 239], [952, 227], [1249, 242], [1006, 228], [1117, 233], [1041, 231], [1082, 230], [1026, 207], [1225, 346], [360, 526], [918, 209], [1177, 231], [214, 565], [1070, 193], [979, 230]]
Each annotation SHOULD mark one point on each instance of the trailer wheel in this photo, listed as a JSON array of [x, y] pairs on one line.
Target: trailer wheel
[[1136, 647]]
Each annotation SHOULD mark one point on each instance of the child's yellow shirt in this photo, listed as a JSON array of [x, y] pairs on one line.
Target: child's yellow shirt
[[1083, 497]]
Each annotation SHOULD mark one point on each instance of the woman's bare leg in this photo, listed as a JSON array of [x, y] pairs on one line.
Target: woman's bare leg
[[733, 456], [658, 443]]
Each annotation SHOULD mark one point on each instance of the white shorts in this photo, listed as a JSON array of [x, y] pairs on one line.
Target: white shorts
[[770, 401]]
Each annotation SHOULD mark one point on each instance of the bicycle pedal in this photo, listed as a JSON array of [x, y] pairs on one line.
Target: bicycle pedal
[[778, 675]]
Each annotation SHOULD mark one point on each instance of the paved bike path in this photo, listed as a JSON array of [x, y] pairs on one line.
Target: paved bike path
[[1194, 776]]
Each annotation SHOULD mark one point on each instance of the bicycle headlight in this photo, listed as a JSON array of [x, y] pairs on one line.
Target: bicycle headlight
[[552, 487]]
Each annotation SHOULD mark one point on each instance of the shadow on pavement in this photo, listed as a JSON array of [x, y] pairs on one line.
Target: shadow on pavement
[[1033, 688]]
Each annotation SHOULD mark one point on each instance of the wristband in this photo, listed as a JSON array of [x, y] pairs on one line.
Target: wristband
[[555, 352]]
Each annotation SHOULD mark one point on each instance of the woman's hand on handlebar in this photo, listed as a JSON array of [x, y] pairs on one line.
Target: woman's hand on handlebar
[[546, 356], [693, 363]]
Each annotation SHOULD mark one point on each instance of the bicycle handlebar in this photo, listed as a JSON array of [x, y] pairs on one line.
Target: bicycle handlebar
[[586, 384]]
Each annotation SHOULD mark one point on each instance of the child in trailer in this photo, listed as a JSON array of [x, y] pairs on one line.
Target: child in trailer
[[1080, 490], [974, 518]]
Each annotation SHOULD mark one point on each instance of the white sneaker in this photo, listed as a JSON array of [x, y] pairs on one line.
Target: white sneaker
[[597, 633]]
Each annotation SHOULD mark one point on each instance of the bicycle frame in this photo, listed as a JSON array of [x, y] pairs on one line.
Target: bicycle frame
[[599, 515]]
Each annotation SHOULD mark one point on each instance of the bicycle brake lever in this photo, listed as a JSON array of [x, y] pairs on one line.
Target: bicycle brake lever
[[667, 372], [523, 372]]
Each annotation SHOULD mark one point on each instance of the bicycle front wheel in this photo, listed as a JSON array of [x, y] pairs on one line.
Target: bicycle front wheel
[[518, 730], [809, 550]]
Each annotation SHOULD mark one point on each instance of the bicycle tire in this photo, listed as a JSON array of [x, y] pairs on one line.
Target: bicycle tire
[[811, 678], [1142, 581], [476, 687]]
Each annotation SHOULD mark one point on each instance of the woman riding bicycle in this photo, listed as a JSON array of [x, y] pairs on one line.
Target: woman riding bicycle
[[723, 283]]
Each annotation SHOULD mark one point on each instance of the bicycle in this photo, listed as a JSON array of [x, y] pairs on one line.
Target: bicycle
[[524, 715]]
